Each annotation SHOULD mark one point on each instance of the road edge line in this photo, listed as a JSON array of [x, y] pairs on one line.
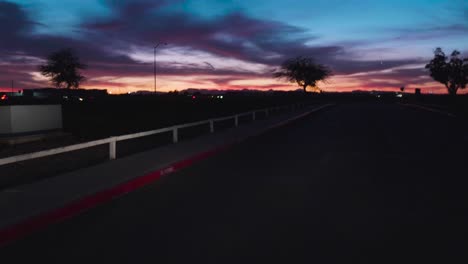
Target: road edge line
[[429, 109]]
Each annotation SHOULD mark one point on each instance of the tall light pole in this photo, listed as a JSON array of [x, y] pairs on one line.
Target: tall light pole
[[155, 69]]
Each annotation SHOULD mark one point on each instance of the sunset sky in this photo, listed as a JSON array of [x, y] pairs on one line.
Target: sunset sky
[[231, 44]]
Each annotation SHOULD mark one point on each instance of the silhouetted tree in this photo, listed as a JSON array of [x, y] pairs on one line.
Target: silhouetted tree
[[402, 89], [62, 67], [303, 71], [452, 73]]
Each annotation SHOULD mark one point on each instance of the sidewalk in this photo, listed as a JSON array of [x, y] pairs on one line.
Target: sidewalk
[[28, 201]]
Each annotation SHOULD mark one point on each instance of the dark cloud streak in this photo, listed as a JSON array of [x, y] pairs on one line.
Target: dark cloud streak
[[142, 23]]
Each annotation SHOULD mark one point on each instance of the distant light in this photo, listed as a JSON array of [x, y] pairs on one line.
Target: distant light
[[194, 97], [399, 95], [221, 97], [4, 97], [81, 99]]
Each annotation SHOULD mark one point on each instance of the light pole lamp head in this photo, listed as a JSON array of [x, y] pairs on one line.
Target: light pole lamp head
[[160, 43]]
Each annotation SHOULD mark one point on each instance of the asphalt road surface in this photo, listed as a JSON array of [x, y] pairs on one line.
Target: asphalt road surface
[[358, 183]]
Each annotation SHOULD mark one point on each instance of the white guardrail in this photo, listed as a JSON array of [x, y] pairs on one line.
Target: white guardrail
[[112, 141]]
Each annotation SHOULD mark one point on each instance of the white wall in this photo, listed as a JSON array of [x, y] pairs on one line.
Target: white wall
[[32, 118], [5, 120]]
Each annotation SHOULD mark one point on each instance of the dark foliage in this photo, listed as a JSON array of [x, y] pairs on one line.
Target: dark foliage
[[452, 72], [62, 68], [303, 71]]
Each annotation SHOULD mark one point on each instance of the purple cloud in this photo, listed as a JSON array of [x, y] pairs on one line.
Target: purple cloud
[[105, 43]]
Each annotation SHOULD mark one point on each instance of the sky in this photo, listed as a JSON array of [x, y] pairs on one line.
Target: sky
[[231, 44]]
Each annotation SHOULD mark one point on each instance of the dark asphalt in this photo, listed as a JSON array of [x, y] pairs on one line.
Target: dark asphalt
[[358, 183]]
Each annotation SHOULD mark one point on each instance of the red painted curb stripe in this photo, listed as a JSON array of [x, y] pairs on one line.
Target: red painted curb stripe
[[37, 223]]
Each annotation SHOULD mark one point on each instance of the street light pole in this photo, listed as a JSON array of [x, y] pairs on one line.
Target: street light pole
[[155, 68]]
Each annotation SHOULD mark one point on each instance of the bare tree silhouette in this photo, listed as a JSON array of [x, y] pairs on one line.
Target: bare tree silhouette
[[62, 67], [452, 73], [303, 71]]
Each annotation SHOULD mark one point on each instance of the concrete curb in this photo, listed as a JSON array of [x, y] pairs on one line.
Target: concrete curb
[[34, 224]]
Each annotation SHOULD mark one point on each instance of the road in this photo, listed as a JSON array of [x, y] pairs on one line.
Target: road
[[358, 183]]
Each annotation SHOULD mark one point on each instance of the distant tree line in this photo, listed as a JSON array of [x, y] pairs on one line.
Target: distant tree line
[[63, 68], [452, 71]]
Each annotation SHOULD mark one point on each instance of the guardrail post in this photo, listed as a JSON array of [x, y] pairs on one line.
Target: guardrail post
[[236, 121], [211, 126], [254, 116], [175, 135], [112, 149]]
